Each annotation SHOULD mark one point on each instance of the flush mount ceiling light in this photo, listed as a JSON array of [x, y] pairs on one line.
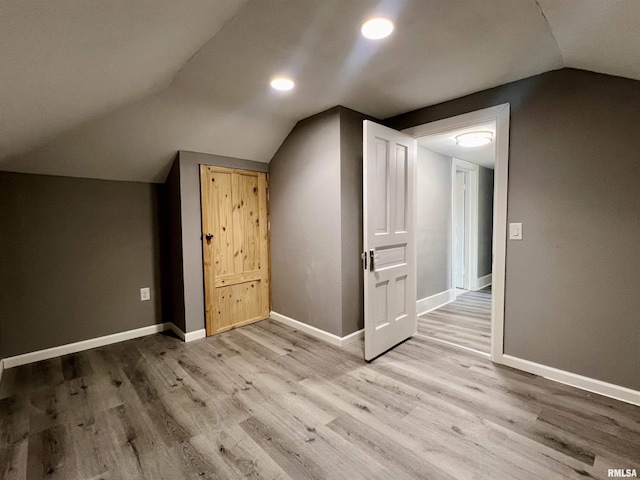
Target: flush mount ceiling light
[[474, 139], [282, 83], [377, 28]]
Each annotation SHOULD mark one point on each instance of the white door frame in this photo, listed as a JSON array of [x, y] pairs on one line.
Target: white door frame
[[499, 114], [471, 223]]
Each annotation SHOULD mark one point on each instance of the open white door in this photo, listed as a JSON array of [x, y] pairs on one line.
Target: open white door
[[389, 256]]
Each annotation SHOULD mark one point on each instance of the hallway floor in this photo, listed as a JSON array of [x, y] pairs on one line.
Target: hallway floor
[[465, 322]]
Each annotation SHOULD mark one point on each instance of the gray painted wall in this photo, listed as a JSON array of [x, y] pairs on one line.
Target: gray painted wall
[[571, 300], [190, 287], [74, 255], [433, 234], [316, 222], [485, 221], [305, 192], [175, 280], [351, 137]]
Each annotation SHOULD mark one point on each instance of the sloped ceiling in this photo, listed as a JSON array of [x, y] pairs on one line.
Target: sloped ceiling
[[600, 36], [113, 88]]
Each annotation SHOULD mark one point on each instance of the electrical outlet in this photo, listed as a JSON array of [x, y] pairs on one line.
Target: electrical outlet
[[145, 294]]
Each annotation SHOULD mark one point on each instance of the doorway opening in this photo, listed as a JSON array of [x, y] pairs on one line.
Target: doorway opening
[[461, 231]]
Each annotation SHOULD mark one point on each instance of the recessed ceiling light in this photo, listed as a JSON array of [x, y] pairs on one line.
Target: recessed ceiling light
[[474, 139], [377, 28], [282, 83]]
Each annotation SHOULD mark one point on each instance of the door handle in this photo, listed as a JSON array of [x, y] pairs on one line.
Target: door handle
[[372, 260], [364, 258], [209, 237]]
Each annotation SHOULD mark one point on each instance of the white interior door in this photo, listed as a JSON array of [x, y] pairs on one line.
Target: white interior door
[[389, 238], [460, 230]]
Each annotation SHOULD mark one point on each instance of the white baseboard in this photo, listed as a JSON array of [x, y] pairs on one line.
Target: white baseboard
[[190, 336], [177, 330], [482, 282], [316, 332], [427, 304], [353, 337], [196, 335], [52, 352], [584, 383]]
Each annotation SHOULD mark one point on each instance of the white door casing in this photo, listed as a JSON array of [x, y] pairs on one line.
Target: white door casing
[[470, 239], [389, 225], [460, 231]]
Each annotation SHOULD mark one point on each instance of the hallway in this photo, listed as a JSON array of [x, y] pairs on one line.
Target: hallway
[[466, 321]]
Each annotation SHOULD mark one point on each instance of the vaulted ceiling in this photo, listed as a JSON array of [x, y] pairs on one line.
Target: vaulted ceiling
[[113, 88]]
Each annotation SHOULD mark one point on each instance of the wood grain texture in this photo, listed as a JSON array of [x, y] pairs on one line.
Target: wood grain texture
[[268, 402], [236, 259], [466, 321]]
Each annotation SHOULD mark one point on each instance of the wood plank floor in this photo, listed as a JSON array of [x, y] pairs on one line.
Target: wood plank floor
[[466, 321], [266, 401]]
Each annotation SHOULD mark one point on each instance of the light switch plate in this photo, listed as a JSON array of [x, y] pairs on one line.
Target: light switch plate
[[515, 231], [145, 294]]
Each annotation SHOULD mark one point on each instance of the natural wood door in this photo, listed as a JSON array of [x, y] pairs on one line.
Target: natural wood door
[[389, 238], [235, 240]]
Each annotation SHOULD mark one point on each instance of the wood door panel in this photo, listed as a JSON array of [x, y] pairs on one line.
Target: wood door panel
[[238, 304], [221, 205], [246, 223], [236, 259]]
